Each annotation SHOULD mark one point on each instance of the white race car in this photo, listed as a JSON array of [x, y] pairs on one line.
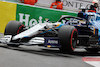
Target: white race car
[[76, 32]]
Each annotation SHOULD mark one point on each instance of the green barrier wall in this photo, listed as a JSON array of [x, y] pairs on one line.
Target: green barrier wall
[[36, 13]]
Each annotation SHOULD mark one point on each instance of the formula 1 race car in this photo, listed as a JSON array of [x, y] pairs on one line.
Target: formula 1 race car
[[83, 30]]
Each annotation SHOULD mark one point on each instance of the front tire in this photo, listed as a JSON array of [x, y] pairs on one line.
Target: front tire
[[13, 28], [68, 38]]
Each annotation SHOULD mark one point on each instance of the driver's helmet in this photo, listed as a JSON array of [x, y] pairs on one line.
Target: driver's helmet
[[83, 8]]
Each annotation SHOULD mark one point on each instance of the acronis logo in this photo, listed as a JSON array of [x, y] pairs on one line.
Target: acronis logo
[[53, 41]]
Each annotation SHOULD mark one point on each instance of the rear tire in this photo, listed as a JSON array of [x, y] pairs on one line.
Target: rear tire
[[13, 28], [68, 38]]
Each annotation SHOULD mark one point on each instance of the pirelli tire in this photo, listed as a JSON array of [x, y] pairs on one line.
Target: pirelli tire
[[13, 28], [68, 38]]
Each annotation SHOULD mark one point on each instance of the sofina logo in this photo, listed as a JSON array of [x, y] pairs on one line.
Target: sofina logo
[[29, 22]]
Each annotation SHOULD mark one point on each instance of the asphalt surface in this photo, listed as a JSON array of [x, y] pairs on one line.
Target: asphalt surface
[[35, 56]]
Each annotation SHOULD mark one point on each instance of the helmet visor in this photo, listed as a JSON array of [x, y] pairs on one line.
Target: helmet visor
[[58, 0]]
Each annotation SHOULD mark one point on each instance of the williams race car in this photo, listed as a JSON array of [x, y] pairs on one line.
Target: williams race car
[[83, 30]]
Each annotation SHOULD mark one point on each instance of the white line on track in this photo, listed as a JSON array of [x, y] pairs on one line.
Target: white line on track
[[94, 60]]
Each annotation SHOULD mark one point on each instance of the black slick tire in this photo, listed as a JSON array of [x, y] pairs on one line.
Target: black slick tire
[[13, 28], [68, 38]]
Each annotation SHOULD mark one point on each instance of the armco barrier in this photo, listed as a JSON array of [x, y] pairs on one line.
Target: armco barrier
[[28, 14]]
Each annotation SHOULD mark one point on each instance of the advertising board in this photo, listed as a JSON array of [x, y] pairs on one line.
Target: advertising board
[[7, 13], [71, 5], [74, 5], [33, 15]]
